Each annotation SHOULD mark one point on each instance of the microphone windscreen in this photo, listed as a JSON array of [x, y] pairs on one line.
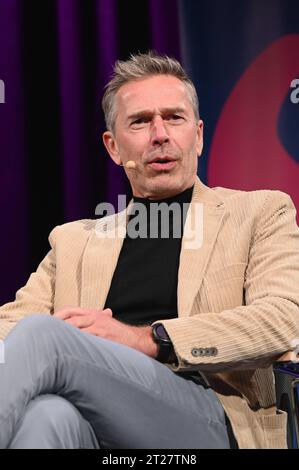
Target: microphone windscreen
[[131, 165]]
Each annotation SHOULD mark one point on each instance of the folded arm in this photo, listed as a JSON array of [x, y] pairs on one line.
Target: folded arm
[[267, 326]]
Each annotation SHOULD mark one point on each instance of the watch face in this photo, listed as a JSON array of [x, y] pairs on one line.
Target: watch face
[[161, 332]]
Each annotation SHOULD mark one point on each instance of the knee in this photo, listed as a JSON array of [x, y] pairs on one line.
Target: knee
[[52, 412], [50, 421], [36, 325], [38, 320]]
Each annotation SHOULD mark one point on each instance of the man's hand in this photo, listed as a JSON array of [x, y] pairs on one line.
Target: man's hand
[[101, 323]]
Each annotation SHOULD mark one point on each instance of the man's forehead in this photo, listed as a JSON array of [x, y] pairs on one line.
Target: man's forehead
[[162, 91]]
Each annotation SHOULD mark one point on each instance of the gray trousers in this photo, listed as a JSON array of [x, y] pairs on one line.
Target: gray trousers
[[63, 388]]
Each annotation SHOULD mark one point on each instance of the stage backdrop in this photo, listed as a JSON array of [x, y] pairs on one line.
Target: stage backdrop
[[243, 56], [55, 58]]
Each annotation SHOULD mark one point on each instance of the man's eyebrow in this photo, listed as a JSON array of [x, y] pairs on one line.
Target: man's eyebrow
[[148, 112]]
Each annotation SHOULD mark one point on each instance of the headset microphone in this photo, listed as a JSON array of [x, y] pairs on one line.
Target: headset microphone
[[130, 165]]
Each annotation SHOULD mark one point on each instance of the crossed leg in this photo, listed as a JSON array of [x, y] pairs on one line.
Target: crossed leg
[[123, 397]]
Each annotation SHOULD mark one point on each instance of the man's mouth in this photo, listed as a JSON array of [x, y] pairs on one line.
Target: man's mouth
[[162, 163]]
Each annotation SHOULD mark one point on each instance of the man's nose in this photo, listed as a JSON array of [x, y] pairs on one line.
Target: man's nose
[[159, 134]]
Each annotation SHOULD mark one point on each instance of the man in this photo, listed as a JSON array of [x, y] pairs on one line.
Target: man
[[155, 342]]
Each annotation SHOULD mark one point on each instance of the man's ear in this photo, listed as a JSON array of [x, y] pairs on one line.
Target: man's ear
[[199, 144], [111, 146]]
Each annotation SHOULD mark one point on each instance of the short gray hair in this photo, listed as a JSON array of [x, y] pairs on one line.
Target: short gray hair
[[141, 66]]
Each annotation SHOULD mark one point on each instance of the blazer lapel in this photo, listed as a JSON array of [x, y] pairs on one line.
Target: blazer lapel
[[100, 259], [208, 210]]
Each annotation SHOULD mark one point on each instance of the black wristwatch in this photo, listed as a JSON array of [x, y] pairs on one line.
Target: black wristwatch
[[161, 337]]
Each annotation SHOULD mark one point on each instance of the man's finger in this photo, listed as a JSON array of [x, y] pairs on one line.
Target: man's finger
[[107, 311], [71, 312], [91, 330], [80, 321]]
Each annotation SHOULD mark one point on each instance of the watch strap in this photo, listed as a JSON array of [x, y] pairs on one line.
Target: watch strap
[[164, 343]]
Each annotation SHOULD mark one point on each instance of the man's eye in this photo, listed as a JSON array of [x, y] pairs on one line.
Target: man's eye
[[140, 121], [174, 117]]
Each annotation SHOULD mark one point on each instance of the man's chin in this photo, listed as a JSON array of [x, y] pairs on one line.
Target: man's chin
[[162, 187]]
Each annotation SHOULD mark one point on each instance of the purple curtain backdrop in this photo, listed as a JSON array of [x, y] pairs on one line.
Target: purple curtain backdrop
[[55, 58], [13, 187]]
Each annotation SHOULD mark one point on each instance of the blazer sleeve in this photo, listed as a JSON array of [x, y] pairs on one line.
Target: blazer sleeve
[[257, 333], [37, 296]]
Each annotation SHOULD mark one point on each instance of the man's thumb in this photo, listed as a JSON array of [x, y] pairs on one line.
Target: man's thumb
[[108, 311]]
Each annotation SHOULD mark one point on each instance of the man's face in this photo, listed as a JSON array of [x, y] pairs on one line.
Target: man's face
[[155, 123]]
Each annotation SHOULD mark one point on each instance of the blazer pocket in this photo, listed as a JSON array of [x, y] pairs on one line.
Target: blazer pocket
[[224, 288], [274, 427]]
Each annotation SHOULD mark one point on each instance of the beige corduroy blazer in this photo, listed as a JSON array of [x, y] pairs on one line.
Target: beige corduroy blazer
[[238, 295]]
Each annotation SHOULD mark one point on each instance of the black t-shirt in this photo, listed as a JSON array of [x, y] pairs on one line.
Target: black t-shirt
[[144, 284]]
